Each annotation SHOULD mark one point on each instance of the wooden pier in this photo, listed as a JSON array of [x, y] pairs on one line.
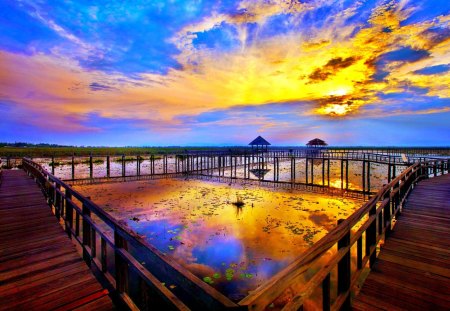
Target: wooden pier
[[412, 271], [40, 268]]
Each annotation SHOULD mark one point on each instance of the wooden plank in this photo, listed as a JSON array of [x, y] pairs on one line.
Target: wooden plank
[[413, 268], [40, 268]]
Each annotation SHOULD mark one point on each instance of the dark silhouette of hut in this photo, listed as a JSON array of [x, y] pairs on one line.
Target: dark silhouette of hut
[[316, 142], [259, 144]]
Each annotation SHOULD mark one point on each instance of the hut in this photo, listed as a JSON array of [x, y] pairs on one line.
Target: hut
[[259, 144], [316, 142]]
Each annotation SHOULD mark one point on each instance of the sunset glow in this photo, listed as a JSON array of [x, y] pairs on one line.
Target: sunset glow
[[184, 73]]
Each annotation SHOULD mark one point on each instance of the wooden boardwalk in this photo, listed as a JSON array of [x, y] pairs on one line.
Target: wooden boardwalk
[[40, 268], [412, 271]]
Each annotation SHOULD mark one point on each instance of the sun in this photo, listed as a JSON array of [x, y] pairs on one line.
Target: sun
[[335, 109], [338, 92]]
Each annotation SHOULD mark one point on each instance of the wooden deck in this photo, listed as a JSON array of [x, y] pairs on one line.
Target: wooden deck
[[412, 271], [40, 268]]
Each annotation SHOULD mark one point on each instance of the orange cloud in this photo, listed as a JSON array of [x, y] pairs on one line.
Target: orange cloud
[[334, 71]]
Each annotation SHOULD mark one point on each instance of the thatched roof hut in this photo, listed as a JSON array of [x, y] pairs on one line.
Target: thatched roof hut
[[316, 142], [259, 143]]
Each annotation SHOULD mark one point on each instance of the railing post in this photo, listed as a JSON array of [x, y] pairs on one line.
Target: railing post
[[326, 301], [138, 165], [359, 256], [123, 165], [91, 167], [86, 234], [69, 214], [108, 166], [344, 272], [103, 255], [53, 165], [57, 201], [387, 213], [121, 265], [73, 166], [371, 237]]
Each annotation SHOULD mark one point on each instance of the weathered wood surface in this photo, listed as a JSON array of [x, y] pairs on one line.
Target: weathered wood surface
[[40, 268], [412, 271]]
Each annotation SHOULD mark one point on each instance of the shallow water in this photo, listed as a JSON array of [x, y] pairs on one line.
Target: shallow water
[[378, 172], [233, 249]]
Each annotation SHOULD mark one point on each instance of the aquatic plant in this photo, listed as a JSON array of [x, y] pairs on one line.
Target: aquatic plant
[[239, 201]]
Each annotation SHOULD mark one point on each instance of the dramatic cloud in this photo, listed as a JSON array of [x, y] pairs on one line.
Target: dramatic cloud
[[167, 65]]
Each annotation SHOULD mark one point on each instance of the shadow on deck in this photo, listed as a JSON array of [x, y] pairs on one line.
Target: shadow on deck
[[412, 271], [40, 268]]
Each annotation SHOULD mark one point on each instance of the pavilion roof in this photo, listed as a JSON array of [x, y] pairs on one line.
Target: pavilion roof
[[259, 141], [317, 142]]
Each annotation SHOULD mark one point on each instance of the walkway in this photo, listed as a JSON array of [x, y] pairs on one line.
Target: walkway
[[412, 271], [40, 268]]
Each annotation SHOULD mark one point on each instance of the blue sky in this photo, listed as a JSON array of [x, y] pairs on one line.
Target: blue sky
[[222, 72]]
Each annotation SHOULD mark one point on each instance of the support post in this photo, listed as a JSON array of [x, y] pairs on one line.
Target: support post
[[108, 166], [53, 165], [91, 167], [86, 234], [73, 166], [120, 265], [344, 272]]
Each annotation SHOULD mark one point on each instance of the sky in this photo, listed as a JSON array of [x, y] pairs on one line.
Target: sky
[[193, 72]]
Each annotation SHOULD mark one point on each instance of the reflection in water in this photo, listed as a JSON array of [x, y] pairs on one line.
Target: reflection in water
[[260, 173], [232, 237]]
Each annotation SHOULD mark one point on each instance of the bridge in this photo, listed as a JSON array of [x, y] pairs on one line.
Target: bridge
[[40, 268], [409, 228]]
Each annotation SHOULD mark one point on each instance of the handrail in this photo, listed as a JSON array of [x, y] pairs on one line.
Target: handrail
[[80, 226], [380, 211]]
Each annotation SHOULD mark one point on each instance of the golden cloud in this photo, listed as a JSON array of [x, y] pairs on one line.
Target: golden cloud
[[334, 70]]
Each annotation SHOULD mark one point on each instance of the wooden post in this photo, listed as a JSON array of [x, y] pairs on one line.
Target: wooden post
[[328, 172], [138, 165], [91, 168], [86, 234], [323, 171], [103, 255], [344, 272], [120, 265], [312, 171], [57, 201], [364, 176], [368, 177], [342, 174], [152, 164], [165, 164], [389, 170], [69, 214], [387, 214], [326, 301], [371, 237], [306, 170], [53, 165], [278, 169], [359, 256], [231, 166], [108, 166], [123, 165], [346, 174], [73, 166]]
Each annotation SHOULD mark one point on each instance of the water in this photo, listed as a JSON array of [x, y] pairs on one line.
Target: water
[[233, 249]]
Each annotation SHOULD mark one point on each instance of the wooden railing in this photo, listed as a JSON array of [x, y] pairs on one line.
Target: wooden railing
[[96, 232], [374, 219], [114, 251]]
